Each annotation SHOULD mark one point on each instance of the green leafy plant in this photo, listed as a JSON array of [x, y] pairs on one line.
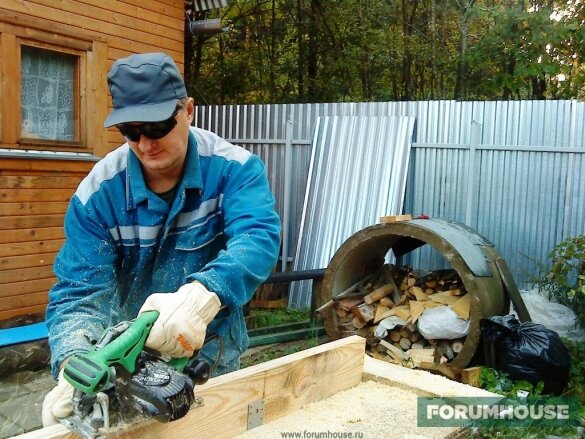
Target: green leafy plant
[[576, 386], [498, 382], [565, 280]]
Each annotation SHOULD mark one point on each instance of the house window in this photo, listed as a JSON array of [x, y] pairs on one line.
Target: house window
[[49, 90], [53, 92]]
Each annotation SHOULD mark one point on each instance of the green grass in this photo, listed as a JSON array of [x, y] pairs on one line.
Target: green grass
[[278, 351], [262, 318]]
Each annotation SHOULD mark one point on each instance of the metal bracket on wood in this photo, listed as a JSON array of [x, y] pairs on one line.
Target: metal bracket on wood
[[255, 414]]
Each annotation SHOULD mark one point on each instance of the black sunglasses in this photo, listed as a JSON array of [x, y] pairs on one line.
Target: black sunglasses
[[152, 130]]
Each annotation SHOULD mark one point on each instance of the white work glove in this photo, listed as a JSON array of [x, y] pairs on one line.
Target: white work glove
[[57, 403], [180, 328]]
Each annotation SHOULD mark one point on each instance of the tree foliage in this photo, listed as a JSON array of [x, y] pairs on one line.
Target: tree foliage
[[279, 51]]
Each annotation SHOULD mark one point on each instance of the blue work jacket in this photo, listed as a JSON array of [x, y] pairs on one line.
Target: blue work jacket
[[123, 243]]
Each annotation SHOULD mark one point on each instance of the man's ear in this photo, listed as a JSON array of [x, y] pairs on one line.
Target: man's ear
[[190, 107]]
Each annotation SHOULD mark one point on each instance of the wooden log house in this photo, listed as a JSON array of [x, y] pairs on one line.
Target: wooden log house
[[54, 59]]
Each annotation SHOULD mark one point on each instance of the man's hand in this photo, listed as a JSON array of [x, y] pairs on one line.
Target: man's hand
[[57, 403], [184, 316]]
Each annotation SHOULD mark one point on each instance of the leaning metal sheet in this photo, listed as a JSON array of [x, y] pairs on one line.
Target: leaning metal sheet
[[357, 173]]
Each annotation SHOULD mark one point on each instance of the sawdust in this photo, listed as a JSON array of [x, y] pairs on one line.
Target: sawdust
[[368, 410]]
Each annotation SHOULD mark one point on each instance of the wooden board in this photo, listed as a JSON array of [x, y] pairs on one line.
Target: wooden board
[[284, 384], [395, 218], [299, 384]]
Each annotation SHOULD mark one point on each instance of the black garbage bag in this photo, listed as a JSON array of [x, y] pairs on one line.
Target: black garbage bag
[[526, 351]]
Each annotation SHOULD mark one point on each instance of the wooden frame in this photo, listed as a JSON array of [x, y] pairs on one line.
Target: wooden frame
[[79, 85], [284, 385]]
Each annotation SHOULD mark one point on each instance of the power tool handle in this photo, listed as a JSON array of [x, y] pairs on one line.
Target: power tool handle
[[90, 372], [126, 348]]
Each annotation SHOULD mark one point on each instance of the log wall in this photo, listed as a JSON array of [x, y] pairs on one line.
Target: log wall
[[33, 199]]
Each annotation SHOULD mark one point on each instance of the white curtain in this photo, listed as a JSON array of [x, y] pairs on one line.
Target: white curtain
[[47, 91]]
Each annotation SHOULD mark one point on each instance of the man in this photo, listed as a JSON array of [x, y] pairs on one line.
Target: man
[[176, 220]]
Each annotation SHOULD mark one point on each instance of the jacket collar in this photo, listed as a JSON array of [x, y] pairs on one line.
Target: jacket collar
[[137, 191]]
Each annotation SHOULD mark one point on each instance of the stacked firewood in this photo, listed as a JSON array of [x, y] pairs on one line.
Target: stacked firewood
[[399, 291]]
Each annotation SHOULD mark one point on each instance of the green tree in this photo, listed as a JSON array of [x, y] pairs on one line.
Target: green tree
[[376, 50]]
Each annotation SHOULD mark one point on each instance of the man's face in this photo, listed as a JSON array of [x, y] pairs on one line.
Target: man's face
[[165, 155]]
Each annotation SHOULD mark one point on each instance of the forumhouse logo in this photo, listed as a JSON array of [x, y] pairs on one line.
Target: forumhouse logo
[[497, 412]]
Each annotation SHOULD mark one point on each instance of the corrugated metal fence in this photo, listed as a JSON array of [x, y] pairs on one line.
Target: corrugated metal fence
[[513, 171]]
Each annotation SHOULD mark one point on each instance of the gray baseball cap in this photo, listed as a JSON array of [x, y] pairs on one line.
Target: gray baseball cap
[[145, 88]]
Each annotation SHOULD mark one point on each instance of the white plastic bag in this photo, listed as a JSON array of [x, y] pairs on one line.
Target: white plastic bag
[[388, 324], [442, 323], [555, 316]]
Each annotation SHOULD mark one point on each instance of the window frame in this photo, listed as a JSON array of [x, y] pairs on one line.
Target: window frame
[[92, 102], [78, 108]]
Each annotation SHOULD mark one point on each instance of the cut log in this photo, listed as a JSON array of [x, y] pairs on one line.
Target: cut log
[[378, 293], [419, 294], [416, 309], [357, 323], [397, 353], [431, 304], [405, 343], [457, 345], [348, 304], [401, 311], [391, 312], [444, 298], [462, 306], [364, 312], [415, 336], [405, 332], [471, 376], [379, 314], [387, 302], [395, 335], [421, 355]]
